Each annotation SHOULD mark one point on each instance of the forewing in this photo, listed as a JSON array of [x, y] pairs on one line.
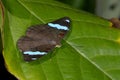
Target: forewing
[[28, 44]]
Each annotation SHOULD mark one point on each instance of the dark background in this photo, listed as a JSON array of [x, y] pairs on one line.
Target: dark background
[[4, 74]]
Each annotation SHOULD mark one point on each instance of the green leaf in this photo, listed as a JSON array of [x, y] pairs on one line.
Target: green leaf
[[90, 51], [1, 24]]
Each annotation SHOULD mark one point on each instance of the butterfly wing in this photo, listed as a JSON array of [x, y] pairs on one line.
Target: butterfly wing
[[28, 44], [44, 38]]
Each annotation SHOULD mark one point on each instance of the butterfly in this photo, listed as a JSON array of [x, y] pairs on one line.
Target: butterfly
[[41, 39]]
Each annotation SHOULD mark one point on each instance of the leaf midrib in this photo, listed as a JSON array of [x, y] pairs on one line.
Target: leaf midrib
[[82, 54]]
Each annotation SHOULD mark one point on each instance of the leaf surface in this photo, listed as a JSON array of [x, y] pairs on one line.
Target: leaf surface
[[90, 51]]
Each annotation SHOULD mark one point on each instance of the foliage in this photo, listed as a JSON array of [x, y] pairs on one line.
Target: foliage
[[90, 51]]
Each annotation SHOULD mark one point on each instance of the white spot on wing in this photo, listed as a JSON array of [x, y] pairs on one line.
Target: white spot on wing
[[58, 26], [34, 58], [67, 20], [34, 53]]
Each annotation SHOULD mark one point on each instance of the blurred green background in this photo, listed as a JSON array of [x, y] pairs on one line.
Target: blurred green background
[[104, 8], [86, 5]]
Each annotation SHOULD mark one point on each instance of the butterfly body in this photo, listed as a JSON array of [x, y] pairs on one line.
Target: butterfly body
[[41, 39]]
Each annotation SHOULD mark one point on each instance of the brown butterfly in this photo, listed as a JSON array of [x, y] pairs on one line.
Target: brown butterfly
[[41, 39]]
